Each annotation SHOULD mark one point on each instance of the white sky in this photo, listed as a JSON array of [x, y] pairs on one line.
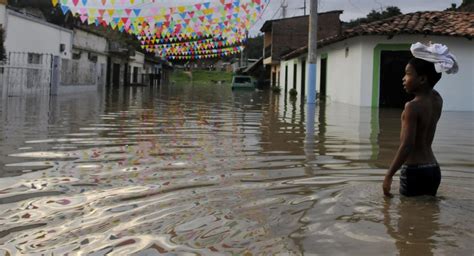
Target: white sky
[[352, 8]]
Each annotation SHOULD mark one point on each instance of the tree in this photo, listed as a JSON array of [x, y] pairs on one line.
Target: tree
[[375, 16], [254, 47], [466, 6], [2, 42]]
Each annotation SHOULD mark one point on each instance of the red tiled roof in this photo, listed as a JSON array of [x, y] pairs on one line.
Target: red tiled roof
[[445, 23], [442, 23]]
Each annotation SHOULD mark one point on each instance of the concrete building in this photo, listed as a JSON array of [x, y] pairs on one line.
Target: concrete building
[[27, 33], [31, 46], [87, 68], [137, 66], [283, 36], [364, 65], [43, 58]]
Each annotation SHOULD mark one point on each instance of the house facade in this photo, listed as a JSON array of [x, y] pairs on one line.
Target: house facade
[[137, 68], [22, 30], [43, 58], [30, 59], [283, 36], [87, 68], [365, 65]]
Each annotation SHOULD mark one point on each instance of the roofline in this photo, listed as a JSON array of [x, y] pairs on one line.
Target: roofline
[[345, 35], [15, 12], [334, 40]]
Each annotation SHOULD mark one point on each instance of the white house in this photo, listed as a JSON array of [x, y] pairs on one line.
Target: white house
[[49, 59], [33, 49], [87, 68], [137, 65], [29, 34], [364, 66]]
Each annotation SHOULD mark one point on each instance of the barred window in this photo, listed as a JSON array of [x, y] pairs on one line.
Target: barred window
[[34, 58]]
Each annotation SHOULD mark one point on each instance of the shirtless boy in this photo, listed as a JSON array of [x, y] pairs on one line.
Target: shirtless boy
[[420, 172]]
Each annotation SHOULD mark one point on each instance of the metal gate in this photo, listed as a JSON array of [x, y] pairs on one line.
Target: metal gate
[[26, 73]]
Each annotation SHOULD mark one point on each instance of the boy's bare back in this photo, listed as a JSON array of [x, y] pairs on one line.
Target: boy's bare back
[[427, 110]]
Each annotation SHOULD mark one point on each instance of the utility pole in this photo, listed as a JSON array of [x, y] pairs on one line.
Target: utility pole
[[312, 68], [246, 48], [304, 7], [312, 51], [244, 54], [284, 7]]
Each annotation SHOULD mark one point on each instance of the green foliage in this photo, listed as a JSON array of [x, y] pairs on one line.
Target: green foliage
[[276, 89], [293, 92], [254, 47], [375, 16], [202, 77], [466, 6], [180, 77], [205, 77]]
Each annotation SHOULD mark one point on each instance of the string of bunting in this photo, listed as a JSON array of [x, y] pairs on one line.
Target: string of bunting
[[205, 43], [183, 52], [172, 30]]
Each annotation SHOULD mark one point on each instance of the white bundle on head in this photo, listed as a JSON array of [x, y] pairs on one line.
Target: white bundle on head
[[438, 54]]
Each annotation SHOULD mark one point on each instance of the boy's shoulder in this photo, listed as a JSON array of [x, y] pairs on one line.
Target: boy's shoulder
[[411, 110], [437, 96], [412, 106]]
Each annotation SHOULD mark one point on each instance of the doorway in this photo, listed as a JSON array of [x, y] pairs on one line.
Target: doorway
[[116, 75], [295, 74], [126, 78], [274, 78], [323, 78], [135, 75], [392, 70]]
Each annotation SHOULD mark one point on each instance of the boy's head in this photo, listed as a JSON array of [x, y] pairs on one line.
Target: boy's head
[[427, 69]]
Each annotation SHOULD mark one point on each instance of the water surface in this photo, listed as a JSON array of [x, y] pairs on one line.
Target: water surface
[[207, 171]]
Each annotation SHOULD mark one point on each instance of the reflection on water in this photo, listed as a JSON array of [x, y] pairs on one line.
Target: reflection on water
[[204, 170]]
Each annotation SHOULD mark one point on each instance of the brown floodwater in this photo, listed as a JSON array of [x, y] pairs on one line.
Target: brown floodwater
[[202, 170]]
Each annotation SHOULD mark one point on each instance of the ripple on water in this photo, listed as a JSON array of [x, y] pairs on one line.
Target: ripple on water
[[233, 177], [47, 155]]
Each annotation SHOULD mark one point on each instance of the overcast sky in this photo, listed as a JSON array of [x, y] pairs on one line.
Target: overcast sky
[[352, 8]]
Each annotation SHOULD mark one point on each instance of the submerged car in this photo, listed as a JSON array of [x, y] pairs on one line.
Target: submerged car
[[243, 82]]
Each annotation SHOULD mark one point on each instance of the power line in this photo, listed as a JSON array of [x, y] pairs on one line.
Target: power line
[[303, 8], [284, 7], [275, 13]]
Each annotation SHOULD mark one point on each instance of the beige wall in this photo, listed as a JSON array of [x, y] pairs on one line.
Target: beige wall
[[267, 39]]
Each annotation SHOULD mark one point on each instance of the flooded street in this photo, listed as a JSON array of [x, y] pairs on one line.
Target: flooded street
[[207, 171]]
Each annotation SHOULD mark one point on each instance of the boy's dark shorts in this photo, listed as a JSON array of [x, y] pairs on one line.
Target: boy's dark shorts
[[418, 180]]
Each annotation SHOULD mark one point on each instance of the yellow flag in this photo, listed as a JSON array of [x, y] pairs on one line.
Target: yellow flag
[[55, 2]]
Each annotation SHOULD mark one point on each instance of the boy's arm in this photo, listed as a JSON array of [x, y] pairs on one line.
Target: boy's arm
[[407, 142]]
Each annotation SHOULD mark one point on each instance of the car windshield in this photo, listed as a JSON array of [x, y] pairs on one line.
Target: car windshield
[[241, 80]]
